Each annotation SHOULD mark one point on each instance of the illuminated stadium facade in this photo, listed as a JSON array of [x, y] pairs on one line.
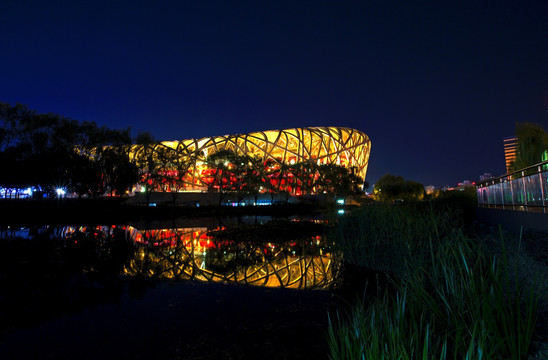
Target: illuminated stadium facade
[[275, 148]]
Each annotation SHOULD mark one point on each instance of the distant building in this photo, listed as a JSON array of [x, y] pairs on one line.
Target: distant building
[[466, 183], [485, 176], [429, 189], [510, 147]]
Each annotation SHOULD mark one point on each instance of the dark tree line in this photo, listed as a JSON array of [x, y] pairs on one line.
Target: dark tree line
[[225, 172], [248, 175], [49, 151]]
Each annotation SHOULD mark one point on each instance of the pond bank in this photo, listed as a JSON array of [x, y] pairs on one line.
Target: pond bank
[[186, 320], [114, 210]]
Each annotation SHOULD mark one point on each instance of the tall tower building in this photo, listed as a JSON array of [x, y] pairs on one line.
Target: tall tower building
[[510, 148]]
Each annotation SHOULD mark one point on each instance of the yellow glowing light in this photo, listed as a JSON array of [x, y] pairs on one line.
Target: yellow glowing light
[[342, 146]]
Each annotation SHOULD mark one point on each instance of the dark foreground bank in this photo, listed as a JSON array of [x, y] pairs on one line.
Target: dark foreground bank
[[186, 320]]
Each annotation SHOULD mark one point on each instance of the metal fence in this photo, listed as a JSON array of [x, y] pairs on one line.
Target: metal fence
[[525, 189]]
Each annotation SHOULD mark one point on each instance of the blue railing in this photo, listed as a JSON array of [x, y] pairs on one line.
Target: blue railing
[[525, 189]]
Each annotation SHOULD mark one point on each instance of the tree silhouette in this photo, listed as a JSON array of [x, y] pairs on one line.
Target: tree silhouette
[[49, 151], [219, 165], [390, 187], [531, 144]]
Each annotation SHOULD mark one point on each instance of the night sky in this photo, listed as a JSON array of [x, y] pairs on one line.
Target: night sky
[[435, 85]]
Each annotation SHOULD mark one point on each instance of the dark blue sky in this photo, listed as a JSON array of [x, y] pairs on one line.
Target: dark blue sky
[[436, 85]]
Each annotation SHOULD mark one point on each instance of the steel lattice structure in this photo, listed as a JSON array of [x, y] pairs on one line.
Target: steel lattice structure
[[324, 145]]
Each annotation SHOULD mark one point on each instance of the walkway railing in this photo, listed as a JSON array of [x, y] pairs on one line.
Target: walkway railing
[[525, 190]]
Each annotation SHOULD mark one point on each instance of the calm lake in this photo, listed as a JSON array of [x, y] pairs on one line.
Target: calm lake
[[53, 275], [166, 289]]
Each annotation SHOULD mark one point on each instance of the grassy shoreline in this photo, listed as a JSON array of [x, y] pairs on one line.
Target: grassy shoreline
[[455, 297]]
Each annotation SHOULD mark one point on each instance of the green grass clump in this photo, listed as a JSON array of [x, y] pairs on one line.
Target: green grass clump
[[385, 237], [453, 301]]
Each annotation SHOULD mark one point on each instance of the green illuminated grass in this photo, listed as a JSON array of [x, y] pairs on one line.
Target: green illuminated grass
[[453, 300]]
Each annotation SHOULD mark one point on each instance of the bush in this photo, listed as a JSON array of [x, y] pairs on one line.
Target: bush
[[461, 202]]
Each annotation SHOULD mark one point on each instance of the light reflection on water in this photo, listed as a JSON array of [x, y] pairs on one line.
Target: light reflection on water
[[47, 270], [191, 253]]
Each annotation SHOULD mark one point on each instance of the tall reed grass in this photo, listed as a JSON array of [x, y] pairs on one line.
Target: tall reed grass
[[385, 237], [453, 301]]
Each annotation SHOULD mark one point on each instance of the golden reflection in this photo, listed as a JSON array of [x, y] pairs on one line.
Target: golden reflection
[[190, 253]]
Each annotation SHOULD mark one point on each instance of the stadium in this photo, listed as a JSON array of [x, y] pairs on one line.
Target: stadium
[[275, 148]]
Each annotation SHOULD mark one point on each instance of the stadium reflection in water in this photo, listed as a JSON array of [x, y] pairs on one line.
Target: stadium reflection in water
[[193, 254]]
